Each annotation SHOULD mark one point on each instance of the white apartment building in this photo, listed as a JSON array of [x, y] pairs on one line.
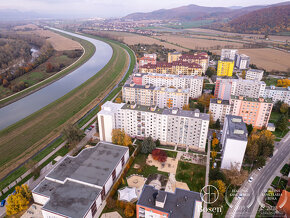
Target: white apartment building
[[242, 61], [278, 94], [228, 54], [149, 95], [193, 83], [254, 74], [171, 126], [219, 109], [77, 186], [234, 142], [240, 87]]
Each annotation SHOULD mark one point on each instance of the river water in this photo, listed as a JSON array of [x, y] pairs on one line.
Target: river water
[[26, 106]]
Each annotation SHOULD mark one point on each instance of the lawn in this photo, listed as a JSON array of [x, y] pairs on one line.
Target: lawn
[[23, 139], [145, 169], [192, 174], [166, 147], [172, 154], [279, 184], [209, 86], [285, 170], [274, 117], [271, 81]]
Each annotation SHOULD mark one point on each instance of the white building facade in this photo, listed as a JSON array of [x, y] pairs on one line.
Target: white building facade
[[228, 54], [171, 126], [149, 95], [219, 109], [254, 74], [234, 142], [242, 61], [278, 94], [193, 83]]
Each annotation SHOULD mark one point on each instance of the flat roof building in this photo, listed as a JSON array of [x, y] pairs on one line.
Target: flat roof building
[[156, 203], [234, 142], [77, 186]]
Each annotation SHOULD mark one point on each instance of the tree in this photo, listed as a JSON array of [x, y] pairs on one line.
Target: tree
[[214, 142], [119, 137], [221, 186], [147, 145], [213, 154], [216, 174], [284, 108], [277, 106], [5, 83], [129, 211], [214, 134], [243, 74], [249, 128], [217, 124], [186, 107], [49, 67], [157, 142], [235, 176], [211, 120], [72, 134], [204, 99], [282, 123], [118, 100], [111, 203], [159, 155], [19, 201], [210, 72]]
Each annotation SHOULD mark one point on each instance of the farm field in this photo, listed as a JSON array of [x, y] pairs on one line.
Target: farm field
[[132, 39], [23, 139], [199, 43], [267, 58], [59, 42]]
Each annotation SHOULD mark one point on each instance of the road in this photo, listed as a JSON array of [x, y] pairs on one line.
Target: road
[[253, 192]]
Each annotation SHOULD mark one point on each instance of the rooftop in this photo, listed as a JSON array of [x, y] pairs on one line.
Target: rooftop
[[278, 88], [168, 75], [180, 204], [108, 107], [265, 100], [93, 165], [151, 87], [219, 101], [237, 129], [71, 199], [255, 70], [165, 111]]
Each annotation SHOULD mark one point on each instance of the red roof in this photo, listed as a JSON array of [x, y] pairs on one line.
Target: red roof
[[174, 63], [283, 204]]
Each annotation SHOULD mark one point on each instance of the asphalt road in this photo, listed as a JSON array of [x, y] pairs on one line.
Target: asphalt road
[[253, 192]]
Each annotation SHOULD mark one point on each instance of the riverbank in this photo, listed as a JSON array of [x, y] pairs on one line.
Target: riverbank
[[23, 139], [88, 49]]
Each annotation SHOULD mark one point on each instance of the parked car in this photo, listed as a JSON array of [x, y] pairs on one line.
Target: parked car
[[260, 168], [250, 179], [240, 196], [93, 126], [3, 202], [90, 128]]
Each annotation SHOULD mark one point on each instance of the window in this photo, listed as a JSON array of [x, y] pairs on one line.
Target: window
[[114, 175], [94, 209]]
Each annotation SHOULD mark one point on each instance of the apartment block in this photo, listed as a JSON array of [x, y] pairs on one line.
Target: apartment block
[[249, 88], [154, 203], [193, 83], [219, 109], [147, 59], [234, 142], [78, 186], [171, 126], [278, 94], [229, 54], [242, 61], [149, 95], [255, 111], [176, 67], [201, 59], [173, 56], [254, 74], [225, 68]]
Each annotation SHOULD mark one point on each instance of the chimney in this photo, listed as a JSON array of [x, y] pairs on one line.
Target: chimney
[[160, 199]]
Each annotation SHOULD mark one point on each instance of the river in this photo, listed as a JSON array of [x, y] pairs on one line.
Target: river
[[26, 106]]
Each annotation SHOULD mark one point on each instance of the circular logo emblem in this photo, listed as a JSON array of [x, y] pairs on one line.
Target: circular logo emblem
[[209, 194]]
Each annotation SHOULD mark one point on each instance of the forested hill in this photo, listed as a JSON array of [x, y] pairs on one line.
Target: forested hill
[[266, 20]]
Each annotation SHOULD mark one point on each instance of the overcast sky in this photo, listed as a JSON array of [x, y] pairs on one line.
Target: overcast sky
[[115, 8]]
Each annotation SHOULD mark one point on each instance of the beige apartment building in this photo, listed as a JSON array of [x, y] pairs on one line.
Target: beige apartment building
[[149, 95]]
